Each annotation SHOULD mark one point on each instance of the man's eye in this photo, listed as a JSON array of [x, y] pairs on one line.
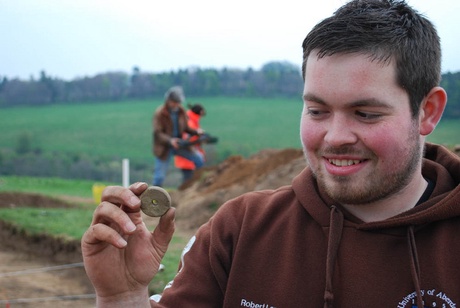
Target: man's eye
[[368, 115], [314, 112]]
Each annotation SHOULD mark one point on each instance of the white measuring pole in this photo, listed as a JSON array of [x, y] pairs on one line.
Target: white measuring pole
[[125, 167]]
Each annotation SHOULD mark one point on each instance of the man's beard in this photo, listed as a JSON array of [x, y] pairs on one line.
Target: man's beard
[[376, 186]]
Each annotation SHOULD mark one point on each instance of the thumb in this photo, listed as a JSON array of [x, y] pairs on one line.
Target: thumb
[[163, 233]]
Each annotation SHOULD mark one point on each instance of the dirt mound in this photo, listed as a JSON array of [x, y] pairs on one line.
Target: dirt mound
[[197, 200]]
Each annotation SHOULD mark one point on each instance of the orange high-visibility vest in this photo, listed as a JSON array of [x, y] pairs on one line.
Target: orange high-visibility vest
[[193, 122]]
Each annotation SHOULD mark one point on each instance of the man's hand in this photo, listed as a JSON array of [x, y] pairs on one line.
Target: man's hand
[[121, 255], [175, 143]]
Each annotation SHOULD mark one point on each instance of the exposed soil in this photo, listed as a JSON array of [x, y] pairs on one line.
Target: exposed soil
[[196, 201], [21, 252]]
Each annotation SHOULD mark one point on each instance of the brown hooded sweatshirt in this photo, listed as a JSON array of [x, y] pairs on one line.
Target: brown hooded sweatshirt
[[294, 247]]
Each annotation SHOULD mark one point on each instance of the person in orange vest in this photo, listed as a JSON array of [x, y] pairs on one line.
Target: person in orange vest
[[187, 167]]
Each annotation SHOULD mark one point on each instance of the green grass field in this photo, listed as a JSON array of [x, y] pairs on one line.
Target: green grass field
[[123, 129], [447, 133], [52, 187], [71, 222]]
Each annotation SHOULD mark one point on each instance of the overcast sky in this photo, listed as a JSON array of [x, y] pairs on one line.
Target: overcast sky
[[76, 38]]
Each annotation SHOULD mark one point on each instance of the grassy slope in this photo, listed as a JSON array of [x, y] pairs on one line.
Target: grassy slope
[[123, 129]]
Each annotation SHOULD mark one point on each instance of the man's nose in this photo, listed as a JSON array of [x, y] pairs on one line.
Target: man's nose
[[340, 131]]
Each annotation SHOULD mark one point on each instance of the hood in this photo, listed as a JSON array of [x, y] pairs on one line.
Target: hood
[[439, 165]]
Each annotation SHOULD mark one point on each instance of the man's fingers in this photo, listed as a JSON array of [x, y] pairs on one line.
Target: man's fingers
[[110, 214], [102, 233], [138, 187], [123, 196]]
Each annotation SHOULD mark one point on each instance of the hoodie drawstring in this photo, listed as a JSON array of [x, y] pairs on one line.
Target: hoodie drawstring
[[335, 235], [415, 267]]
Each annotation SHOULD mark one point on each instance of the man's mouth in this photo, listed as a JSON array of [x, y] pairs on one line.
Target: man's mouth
[[344, 162]]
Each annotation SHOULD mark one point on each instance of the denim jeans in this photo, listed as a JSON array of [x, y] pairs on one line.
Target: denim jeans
[[161, 166]]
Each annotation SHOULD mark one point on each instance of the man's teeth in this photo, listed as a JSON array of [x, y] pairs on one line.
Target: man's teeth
[[344, 162]]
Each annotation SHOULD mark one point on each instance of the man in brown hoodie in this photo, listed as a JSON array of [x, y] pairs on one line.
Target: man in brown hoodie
[[373, 221]]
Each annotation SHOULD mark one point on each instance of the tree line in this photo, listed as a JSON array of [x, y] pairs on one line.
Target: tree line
[[280, 79], [274, 78]]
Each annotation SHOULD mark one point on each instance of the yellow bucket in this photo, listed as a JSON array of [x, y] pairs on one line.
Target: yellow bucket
[[97, 192]]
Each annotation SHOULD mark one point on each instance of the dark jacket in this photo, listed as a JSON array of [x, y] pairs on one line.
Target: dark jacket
[[163, 129]]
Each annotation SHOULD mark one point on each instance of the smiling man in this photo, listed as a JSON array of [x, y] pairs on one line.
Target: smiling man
[[373, 221], [364, 146]]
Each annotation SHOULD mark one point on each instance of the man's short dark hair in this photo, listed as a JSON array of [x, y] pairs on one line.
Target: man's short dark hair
[[385, 30]]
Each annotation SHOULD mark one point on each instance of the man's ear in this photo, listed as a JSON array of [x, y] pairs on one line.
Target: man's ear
[[431, 110]]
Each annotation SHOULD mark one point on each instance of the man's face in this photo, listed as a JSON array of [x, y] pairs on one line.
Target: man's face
[[173, 105], [357, 131]]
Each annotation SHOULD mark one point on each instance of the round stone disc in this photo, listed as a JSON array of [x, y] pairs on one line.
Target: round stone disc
[[155, 201]]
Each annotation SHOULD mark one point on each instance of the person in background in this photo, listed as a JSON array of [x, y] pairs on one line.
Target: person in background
[[169, 123], [187, 167], [372, 221]]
